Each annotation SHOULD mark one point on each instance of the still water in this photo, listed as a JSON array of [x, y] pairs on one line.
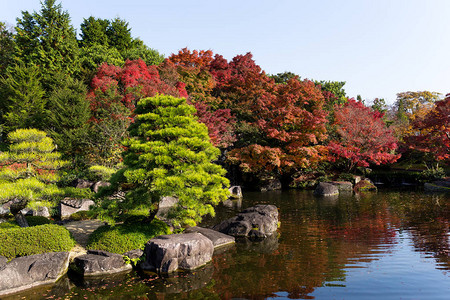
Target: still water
[[388, 245]]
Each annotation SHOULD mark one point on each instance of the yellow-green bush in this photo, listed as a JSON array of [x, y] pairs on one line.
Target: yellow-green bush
[[26, 241]]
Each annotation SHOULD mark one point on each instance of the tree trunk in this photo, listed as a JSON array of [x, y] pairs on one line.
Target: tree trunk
[[21, 221]]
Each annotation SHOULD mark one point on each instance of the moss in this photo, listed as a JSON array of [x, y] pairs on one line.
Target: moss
[[125, 237], [34, 240]]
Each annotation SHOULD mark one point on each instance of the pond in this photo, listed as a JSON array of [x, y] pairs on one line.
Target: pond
[[388, 245]]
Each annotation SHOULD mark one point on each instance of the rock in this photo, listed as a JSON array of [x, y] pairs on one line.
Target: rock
[[99, 184], [343, 186], [164, 206], [41, 211], [233, 203], [437, 186], [365, 185], [97, 262], [5, 208], [70, 206], [235, 192], [133, 254], [217, 238], [82, 184], [190, 281], [3, 261], [167, 253], [269, 185], [257, 222], [30, 271], [326, 189]]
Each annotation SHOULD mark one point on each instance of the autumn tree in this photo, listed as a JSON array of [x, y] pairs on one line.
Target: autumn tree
[[28, 171], [169, 154], [431, 133], [362, 139]]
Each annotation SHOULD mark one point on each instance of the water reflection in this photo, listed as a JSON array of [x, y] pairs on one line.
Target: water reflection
[[389, 245]]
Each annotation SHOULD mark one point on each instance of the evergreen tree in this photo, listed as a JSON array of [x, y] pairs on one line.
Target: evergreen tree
[[170, 154], [93, 32], [69, 115], [46, 39], [23, 104], [28, 171], [6, 47]]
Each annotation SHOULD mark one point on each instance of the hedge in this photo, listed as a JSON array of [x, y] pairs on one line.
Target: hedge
[[125, 237], [26, 241]]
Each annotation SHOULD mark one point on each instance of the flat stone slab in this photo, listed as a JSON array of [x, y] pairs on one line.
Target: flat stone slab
[[258, 222], [70, 206], [97, 262], [218, 239], [30, 271], [168, 253]]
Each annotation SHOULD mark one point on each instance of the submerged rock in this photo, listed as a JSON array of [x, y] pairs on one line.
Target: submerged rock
[[30, 271], [97, 262], [326, 189], [257, 222], [168, 253]]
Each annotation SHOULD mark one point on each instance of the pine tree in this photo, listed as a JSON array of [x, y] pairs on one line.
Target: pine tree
[[46, 39], [28, 171], [170, 154]]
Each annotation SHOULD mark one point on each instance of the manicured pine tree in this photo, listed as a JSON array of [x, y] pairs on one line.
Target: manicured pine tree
[[28, 171], [170, 154]]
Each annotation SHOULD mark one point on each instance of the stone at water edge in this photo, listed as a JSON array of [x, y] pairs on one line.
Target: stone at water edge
[[235, 192], [326, 189], [97, 262], [217, 238], [30, 271], [269, 185], [343, 186], [365, 185], [168, 253], [133, 254], [258, 222]]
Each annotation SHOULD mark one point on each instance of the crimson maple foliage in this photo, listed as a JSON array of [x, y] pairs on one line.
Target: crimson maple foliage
[[433, 132], [362, 137]]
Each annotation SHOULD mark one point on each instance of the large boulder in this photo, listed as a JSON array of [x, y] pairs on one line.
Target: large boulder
[[134, 254], [365, 185], [235, 192], [30, 271], [257, 222], [326, 189], [70, 206], [168, 253], [41, 211], [343, 186], [82, 183], [217, 238], [97, 262]]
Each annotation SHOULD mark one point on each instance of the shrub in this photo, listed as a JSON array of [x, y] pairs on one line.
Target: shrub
[[83, 215], [101, 172], [125, 237], [76, 193], [37, 220], [34, 240]]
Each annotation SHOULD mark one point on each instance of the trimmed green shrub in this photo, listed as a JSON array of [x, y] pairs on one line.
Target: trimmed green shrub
[[37, 220], [34, 240], [76, 193], [125, 237], [9, 224], [83, 215]]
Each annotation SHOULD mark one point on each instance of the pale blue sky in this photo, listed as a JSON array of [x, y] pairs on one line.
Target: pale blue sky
[[378, 47]]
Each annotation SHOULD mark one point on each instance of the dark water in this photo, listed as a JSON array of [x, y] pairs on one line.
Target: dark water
[[389, 245]]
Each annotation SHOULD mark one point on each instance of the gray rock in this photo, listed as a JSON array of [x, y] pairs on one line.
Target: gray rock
[[326, 189], [99, 184], [30, 271], [365, 185], [168, 253], [235, 192], [343, 186], [269, 185], [437, 186], [133, 254], [70, 206], [165, 204], [217, 238], [41, 211], [3, 261], [82, 184], [259, 221], [97, 262]]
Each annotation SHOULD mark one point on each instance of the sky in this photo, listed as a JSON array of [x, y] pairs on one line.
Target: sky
[[379, 47]]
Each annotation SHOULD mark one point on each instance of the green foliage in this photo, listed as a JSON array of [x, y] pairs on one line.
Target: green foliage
[[76, 193], [23, 104], [83, 215], [34, 240], [101, 172], [170, 155], [37, 220], [284, 77], [432, 174], [28, 170], [47, 40], [7, 225], [141, 51], [125, 237], [6, 47]]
